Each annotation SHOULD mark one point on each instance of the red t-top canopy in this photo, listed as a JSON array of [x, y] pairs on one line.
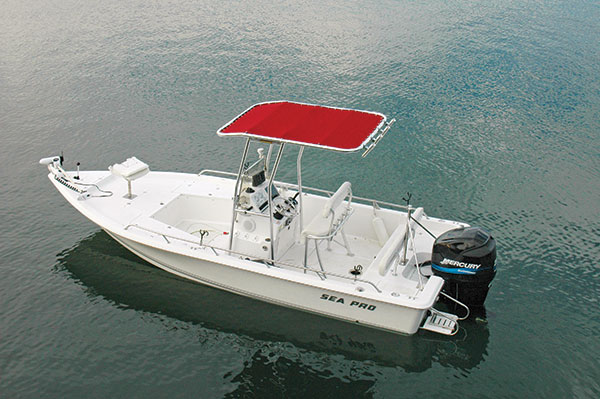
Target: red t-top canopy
[[312, 125]]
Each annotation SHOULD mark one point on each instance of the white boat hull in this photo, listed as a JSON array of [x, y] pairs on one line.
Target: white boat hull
[[284, 292], [374, 304]]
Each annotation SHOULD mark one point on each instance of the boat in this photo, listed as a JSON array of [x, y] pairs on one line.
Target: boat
[[332, 253]]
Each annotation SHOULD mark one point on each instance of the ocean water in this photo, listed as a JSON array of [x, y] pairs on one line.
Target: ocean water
[[498, 109]]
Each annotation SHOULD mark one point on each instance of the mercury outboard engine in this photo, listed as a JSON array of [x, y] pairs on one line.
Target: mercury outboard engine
[[465, 259]]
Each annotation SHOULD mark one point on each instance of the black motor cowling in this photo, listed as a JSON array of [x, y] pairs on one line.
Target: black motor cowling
[[465, 259]]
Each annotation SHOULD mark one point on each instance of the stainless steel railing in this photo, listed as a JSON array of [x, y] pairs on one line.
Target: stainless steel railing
[[265, 261], [369, 201]]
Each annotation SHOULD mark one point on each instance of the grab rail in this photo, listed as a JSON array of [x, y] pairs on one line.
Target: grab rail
[[316, 190], [264, 260], [216, 172]]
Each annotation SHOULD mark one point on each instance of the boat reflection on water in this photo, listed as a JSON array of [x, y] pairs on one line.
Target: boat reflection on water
[[108, 270]]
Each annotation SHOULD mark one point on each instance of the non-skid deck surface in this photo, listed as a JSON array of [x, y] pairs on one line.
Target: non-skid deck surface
[[335, 260]]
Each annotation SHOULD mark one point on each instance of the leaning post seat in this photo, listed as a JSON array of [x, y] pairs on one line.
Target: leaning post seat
[[327, 223], [131, 169]]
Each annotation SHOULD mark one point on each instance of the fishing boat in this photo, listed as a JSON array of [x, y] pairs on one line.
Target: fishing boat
[[332, 253]]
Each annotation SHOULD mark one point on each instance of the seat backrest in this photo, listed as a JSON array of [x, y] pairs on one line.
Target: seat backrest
[[336, 199], [390, 250]]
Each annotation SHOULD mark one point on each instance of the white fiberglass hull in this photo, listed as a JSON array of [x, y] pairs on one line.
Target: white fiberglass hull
[[368, 303], [326, 301]]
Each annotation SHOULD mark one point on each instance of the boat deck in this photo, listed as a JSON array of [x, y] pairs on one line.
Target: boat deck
[[197, 208]]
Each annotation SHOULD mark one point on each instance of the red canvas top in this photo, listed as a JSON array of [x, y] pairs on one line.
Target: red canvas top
[[312, 125]]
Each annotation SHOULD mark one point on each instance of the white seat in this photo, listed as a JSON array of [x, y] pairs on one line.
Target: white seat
[[390, 250], [130, 170], [326, 224]]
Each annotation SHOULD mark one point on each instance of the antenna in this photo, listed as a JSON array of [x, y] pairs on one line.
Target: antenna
[[407, 198]]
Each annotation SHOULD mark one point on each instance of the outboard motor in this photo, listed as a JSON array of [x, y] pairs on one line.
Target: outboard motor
[[465, 259]]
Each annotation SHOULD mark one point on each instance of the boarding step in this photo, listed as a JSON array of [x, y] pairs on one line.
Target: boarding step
[[441, 322]]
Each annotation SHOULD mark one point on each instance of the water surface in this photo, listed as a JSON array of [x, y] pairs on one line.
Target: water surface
[[498, 108]]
